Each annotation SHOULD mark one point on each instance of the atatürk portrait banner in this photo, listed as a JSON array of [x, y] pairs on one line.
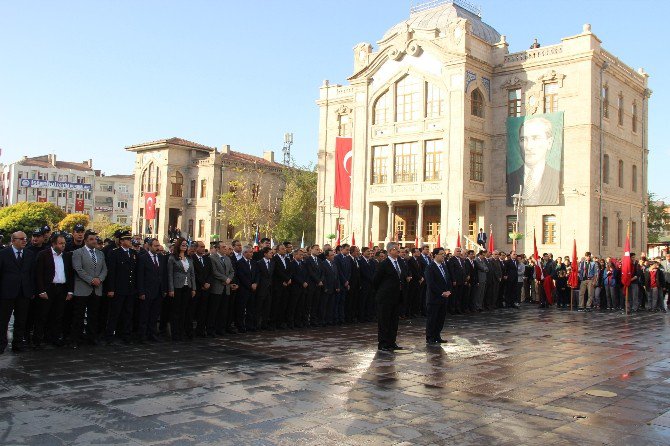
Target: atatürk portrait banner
[[534, 158]]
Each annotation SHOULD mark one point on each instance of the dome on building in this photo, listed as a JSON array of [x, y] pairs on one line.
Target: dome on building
[[440, 17]]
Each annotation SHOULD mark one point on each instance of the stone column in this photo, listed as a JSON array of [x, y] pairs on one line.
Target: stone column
[[389, 222], [419, 222]]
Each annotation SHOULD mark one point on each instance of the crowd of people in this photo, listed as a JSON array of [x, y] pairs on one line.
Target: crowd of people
[[74, 289]]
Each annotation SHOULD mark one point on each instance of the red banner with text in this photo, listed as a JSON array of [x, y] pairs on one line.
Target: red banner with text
[[343, 161]]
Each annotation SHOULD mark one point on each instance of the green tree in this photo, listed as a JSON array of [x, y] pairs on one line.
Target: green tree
[[244, 207], [298, 206], [658, 219], [27, 216], [105, 228], [67, 224]]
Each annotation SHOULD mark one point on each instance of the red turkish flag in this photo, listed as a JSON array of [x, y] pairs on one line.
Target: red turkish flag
[[343, 155], [458, 240], [626, 263], [536, 256], [439, 245], [41, 199], [573, 280], [149, 205], [353, 239], [79, 205], [491, 243]]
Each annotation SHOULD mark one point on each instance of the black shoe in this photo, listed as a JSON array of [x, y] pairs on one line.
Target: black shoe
[[517, 306], [397, 347], [442, 341], [433, 342], [153, 338], [385, 349]]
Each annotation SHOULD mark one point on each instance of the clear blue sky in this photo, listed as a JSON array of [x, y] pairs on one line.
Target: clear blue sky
[[84, 79]]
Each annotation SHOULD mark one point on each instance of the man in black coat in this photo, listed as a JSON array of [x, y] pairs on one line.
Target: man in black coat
[[389, 280], [296, 306], [281, 282], [331, 287], [472, 285], [17, 279], [438, 292], [458, 275], [202, 266], [265, 267], [258, 255], [416, 268], [315, 287], [54, 287], [511, 276], [152, 286], [121, 286], [344, 265], [354, 292], [246, 273], [367, 272]]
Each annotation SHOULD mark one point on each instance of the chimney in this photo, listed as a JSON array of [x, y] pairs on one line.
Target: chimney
[[89, 163], [52, 159], [225, 149], [269, 155]]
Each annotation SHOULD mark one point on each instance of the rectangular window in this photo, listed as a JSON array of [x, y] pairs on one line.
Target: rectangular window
[[122, 205], [605, 230], [511, 222], [383, 109], [433, 160], [633, 118], [633, 233], [476, 159], [193, 189], [190, 228], [606, 102], [406, 156], [606, 169], [203, 188], [620, 173], [435, 101], [408, 99], [619, 232], [620, 111], [201, 228], [549, 230], [634, 185], [344, 125], [551, 97], [380, 156], [514, 102]]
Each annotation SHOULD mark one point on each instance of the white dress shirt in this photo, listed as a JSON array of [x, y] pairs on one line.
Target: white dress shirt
[[59, 267]]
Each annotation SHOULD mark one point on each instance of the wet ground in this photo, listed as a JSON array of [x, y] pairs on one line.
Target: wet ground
[[512, 377]]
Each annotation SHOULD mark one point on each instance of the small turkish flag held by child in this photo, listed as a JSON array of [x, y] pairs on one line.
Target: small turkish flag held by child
[[150, 205]]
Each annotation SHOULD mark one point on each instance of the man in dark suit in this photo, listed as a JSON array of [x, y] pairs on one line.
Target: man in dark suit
[[416, 268], [481, 238], [342, 260], [354, 292], [366, 268], [281, 282], [457, 274], [295, 308], [54, 283], [472, 285], [121, 285], [258, 255], [438, 286], [511, 276], [389, 280], [247, 279], [265, 268], [315, 281], [202, 266], [17, 278], [152, 287], [331, 287]]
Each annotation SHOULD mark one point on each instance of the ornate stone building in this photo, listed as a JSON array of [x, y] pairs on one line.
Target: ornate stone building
[[188, 179], [428, 111]]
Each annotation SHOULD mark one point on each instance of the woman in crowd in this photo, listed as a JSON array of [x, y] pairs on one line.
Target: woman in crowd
[[181, 287]]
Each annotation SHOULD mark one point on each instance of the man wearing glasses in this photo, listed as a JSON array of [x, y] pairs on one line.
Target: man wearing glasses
[[17, 269]]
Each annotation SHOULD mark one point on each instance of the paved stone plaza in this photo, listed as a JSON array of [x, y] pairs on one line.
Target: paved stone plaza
[[510, 377]]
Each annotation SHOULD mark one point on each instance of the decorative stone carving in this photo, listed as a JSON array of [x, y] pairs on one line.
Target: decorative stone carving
[[470, 77], [513, 83], [396, 54], [552, 76], [414, 49], [486, 82], [343, 110]]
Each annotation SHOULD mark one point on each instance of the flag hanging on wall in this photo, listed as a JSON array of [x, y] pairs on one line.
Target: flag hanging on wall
[[149, 205], [343, 161]]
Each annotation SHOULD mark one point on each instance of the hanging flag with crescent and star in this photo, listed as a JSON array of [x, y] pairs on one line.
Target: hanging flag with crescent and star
[[149, 205], [343, 160]]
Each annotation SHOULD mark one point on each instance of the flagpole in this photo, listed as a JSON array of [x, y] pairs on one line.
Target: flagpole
[[631, 265]]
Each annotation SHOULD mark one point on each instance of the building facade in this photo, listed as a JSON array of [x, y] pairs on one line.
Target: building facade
[[113, 197], [439, 116], [189, 179], [69, 185]]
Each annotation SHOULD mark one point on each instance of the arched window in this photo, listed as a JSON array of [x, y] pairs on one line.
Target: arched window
[[634, 179], [143, 183], [477, 103], [435, 101], [158, 180], [606, 169], [150, 173], [382, 109], [408, 99], [177, 184], [620, 173]]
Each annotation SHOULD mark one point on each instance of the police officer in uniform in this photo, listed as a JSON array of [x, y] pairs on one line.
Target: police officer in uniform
[[121, 289], [77, 240]]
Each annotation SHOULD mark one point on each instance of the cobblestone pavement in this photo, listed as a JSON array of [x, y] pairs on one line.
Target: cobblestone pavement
[[512, 377]]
